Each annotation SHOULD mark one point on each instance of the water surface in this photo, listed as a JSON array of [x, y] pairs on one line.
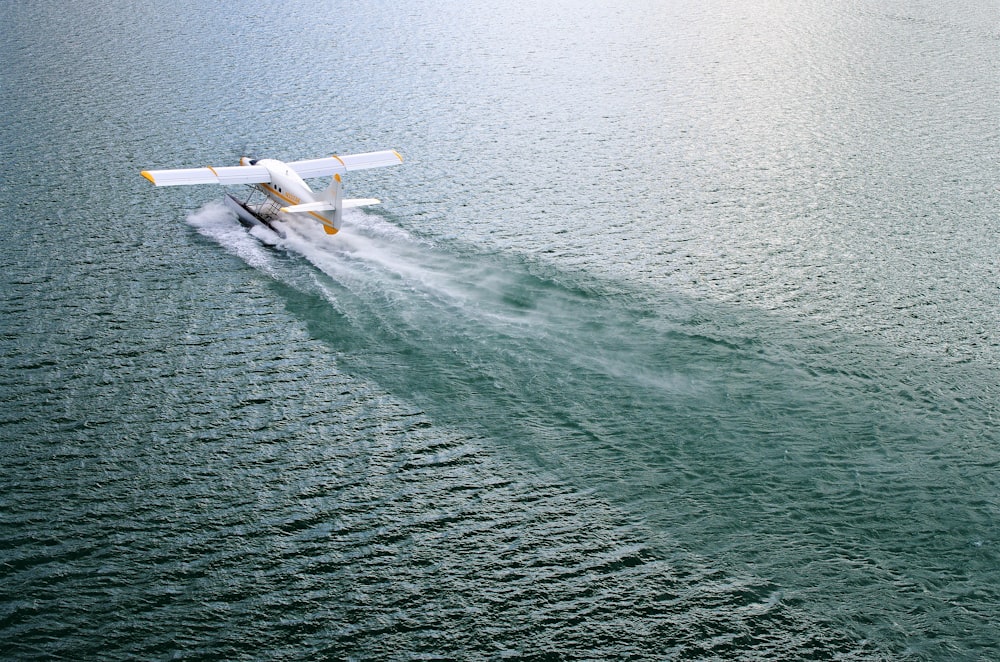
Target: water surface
[[675, 336]]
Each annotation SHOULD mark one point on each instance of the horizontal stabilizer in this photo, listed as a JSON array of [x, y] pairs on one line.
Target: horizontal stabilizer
[[322, 205], [360, 202], [209, 175]]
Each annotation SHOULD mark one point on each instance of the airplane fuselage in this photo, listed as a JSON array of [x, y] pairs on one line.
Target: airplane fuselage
[[286, 188]]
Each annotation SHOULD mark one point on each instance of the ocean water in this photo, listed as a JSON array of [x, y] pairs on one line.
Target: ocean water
[[675, 336]]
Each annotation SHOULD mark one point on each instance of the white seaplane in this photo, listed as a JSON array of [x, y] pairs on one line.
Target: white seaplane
[[280, 188]]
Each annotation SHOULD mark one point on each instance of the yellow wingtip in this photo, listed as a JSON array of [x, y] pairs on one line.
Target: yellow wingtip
[[398, 155], [145, 173]]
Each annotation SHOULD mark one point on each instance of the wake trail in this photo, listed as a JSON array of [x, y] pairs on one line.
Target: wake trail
[[588, 387], [666, 408], [473, 313]]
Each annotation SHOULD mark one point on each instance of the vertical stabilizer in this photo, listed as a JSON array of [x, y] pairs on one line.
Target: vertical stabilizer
[[334, 194]]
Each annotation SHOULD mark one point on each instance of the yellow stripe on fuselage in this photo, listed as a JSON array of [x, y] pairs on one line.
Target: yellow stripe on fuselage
[[290, 199]]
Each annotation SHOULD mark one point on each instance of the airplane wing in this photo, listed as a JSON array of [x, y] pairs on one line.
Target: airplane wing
[[333, 165], [248, 174], [257, 174]]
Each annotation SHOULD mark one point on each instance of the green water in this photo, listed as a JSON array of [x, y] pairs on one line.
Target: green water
[[674, 337]]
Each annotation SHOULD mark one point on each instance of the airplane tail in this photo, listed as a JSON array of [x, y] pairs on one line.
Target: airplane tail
[[334, 194], [331, 200]]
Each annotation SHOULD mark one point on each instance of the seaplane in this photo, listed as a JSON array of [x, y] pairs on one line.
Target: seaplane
[[278, 191]]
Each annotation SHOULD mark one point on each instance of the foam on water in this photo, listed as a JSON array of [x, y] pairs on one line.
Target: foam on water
[[217, 222]]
